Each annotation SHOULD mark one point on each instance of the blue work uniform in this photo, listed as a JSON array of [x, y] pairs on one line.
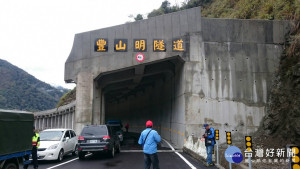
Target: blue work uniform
[[209, 143], [150, 146]]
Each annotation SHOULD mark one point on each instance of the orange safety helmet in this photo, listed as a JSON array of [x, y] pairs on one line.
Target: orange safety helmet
[[149, 123]]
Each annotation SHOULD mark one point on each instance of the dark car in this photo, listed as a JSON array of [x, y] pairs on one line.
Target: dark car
[[98, 138], [117, 129]]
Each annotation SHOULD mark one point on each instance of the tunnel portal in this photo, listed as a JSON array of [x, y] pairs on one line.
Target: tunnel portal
[[179, 70]]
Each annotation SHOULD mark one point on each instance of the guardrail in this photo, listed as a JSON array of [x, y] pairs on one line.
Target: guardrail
[[61, 117]]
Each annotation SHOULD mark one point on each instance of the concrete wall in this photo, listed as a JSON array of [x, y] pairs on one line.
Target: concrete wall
[[83, 58], [232, 63], [225, 80], [62, 117]]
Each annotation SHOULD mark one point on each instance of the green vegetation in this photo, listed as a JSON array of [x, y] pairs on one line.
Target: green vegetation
[[67, 98], [20, 90], [282, 118], [138, 17], [241, 9], [254, 9]]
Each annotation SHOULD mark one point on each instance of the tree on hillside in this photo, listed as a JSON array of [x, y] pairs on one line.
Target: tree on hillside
[[138, 17]]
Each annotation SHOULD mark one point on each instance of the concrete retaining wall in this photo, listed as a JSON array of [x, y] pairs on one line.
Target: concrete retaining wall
[[225, 79]]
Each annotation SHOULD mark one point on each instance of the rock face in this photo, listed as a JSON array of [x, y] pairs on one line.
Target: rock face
[[282, 120]]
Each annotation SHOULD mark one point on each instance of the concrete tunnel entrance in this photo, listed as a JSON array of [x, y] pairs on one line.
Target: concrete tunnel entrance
[[146, 92]]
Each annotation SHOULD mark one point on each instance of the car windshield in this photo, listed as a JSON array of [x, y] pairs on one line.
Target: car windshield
[[94, 131], [51, 135]]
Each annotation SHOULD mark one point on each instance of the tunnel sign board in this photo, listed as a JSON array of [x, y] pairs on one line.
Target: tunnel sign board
[[101, 45], [140, 57], [159, 45], [177, 45], [120, 45], [140, 45]]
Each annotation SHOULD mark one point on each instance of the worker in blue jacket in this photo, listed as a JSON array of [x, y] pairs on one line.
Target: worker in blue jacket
[[209, 143], [149, 139]]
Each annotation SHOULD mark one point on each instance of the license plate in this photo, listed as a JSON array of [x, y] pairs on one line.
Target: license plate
[[93, 141]]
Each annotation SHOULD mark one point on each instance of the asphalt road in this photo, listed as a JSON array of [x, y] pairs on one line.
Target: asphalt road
[[128, 159]]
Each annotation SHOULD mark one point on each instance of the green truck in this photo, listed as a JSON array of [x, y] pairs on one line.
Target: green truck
[[16, 130]]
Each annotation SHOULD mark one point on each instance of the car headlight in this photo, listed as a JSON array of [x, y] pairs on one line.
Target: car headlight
[[54, 146]]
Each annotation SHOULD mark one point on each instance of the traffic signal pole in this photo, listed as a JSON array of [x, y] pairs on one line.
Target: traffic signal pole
[[230, 167], [229, 142], [217, 142]]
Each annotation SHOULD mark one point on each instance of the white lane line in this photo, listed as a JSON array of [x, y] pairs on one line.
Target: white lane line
[[63, 163], [159, 151], [184, 159], [172, 148]]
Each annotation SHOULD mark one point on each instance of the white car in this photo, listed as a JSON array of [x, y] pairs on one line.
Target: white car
[[55, 143]]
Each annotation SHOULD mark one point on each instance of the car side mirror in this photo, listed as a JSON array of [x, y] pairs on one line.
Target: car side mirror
[[67, 138]]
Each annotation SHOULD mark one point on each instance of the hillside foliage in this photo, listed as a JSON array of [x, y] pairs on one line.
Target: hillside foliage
[[22, 91], [241, 9]]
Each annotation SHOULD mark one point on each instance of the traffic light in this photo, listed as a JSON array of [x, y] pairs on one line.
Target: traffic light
[[228, 136], [217, 134], [248, 142], [295, 163]]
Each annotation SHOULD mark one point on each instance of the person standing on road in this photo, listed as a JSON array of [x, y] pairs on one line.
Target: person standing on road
[[149, 139], [127, 127], [209, 143], [35, 146]]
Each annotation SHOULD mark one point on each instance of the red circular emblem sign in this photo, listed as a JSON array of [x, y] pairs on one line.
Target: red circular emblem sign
[[140, 57]]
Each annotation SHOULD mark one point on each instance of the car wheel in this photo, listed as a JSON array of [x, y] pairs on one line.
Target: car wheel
[[112, 152], [10, 166], [75, 152], [119, 148], [60, 155], [81, 155]]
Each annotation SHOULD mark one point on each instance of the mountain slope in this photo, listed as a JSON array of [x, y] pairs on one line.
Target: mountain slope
[[20, 90]]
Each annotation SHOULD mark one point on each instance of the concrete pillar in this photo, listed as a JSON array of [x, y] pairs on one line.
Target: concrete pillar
[[55, 122], [102, 109], [73, 116], [63, 121], [70, 119], [66, 120], [47, 124], [96, 104], [39, 123], [43, 123], [51, 121], [35, 122], [59, 121], [84, 100]]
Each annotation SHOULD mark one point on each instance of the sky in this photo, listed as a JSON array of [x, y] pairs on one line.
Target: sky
[[37, 35]]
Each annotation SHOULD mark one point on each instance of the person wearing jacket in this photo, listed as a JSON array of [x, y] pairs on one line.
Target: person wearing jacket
[[209, 143], [35, 146], [149, 139]]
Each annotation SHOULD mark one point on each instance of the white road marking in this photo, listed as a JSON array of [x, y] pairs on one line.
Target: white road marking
[[63, 163], [159, 151], [184, 159], [172, 148], [89, 154]]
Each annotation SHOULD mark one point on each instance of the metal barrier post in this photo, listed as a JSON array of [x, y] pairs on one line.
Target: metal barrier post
[[217, 153]]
